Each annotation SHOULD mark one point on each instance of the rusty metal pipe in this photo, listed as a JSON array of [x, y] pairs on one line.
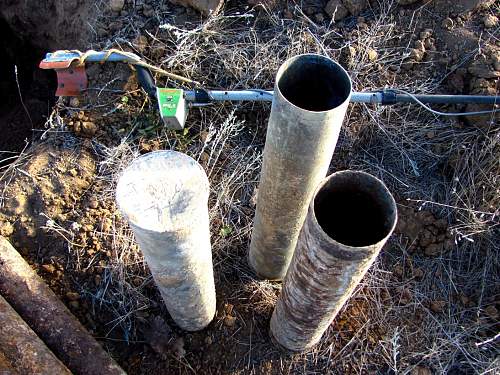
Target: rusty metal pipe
[[311, 95], [47, 316], [350, 218], [22, 349]]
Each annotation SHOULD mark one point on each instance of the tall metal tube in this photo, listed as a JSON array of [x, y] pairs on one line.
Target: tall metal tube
[[311, 95], [350, 217], [164, 196]]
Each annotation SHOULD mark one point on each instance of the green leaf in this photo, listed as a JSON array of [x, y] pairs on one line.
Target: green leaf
[[225, 231]]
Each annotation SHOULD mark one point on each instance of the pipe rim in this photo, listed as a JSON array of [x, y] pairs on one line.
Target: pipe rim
[[134, 210], [325, 59], [355, 250]]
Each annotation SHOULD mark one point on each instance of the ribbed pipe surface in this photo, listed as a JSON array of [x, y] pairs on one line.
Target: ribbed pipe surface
[[349, 220], [311, 95], [164, 195]]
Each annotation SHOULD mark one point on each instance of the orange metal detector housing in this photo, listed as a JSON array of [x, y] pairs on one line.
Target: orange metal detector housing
[[71, 76]]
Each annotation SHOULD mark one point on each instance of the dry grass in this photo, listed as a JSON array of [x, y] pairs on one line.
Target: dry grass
[[429, 163]]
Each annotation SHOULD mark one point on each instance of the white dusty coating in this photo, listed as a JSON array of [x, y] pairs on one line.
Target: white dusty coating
[[164, 195], [299, 147], [322, 276]]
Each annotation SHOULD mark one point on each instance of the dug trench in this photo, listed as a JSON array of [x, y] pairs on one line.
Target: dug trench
[[29, 29], [27, 92]]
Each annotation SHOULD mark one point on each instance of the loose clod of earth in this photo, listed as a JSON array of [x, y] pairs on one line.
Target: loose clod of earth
[[429, 304]]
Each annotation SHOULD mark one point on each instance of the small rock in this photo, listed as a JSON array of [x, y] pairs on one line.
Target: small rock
[[77, 127], [447, 23], [107, 225], [418, 273], [417, 54], [6, 229], [430, 134], [372, 55], [352, 52], [93, 203], [420, 45], [205, 136], [204, 157], [406, 296], [74, 305], [427, 33], [336, 10], [287, 14], [141, 42], [89, 128], [398, 271], [490, 21], [437, 306], [48, 268], [208, 340], [228, 308], [73, 296], [229, 320], [429, 44], [492, 312], [319, 17], [74, 102], [116, 5]]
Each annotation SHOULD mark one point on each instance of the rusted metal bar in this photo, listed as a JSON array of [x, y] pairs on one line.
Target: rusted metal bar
[[350, 217], [311, 96], [22, 348], [49, 318]]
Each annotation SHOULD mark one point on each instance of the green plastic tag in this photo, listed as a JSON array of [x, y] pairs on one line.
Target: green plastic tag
[[168, 99]]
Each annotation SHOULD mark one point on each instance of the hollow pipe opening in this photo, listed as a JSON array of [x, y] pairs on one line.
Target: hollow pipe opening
[[355, 209], [314, 83]]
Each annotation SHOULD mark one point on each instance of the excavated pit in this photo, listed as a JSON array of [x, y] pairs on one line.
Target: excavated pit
[[21, 77], [30, 29]]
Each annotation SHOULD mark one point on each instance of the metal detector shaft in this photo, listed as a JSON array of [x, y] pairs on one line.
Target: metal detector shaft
[[385, 97], [256, 95]]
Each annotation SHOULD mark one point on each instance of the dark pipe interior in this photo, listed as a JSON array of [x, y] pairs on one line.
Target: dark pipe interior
[[314, 83], [354, 213]]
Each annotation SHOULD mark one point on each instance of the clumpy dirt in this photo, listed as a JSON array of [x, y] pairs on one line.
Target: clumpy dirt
[[57, 201]]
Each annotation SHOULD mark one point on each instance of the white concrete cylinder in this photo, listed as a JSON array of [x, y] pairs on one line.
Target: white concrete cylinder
[[164, 196]]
